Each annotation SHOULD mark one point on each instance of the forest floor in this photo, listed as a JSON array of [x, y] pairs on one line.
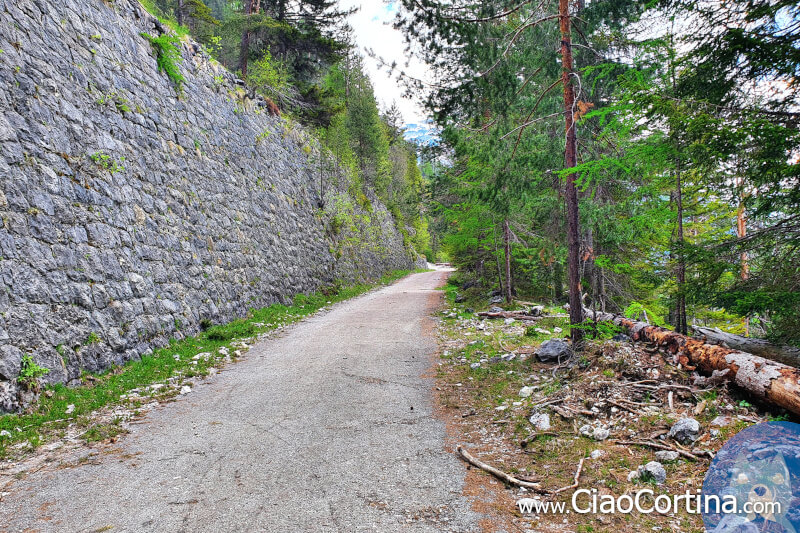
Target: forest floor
[[630, 389]]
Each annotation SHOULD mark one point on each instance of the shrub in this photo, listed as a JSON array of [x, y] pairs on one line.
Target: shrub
[[167, 56], [30, 373]]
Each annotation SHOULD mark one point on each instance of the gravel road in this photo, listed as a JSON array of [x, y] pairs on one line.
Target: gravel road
[[328, 428]]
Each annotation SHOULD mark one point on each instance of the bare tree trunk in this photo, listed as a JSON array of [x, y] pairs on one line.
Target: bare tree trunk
[[497, 257], [558, 282], [507, 243], [179, 13], [570, 161], [741, 232], [251, 7], [681, 326]]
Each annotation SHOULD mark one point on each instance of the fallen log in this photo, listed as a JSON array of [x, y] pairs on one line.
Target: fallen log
[[499, 474], [788, 355], [768, 380], [516, 315]]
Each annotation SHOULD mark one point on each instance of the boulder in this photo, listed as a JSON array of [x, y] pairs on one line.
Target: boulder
[[541, 421], [655, 470], [554, 350], [685, 430], [667, 455]]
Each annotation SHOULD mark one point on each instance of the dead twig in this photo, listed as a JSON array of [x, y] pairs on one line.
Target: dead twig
[[657, 446], [577, 477], [621, 406], [499, 474]]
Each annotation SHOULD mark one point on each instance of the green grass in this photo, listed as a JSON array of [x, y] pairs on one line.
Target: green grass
[[49, 417]]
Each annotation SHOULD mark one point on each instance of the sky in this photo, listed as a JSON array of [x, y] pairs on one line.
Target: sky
[[373, 30]]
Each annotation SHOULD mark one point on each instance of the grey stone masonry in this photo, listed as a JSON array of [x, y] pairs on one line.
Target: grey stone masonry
[[131, 213]]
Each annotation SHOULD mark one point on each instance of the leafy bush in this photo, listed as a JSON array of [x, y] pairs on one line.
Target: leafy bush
[[30, 373], [167, 56]]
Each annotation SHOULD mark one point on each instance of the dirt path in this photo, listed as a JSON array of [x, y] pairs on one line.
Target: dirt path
[[329, 428]]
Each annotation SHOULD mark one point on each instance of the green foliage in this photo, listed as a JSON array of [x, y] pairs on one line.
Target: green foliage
[[269, 76], [30, 373], [168, 57], [107, 162]]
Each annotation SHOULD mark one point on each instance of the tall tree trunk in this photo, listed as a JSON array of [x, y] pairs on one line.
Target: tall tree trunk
[[507, 243], [681, 325], [741, 232], [558, 282], [570, 161], [179, 13], [251, 7], [497, 258]]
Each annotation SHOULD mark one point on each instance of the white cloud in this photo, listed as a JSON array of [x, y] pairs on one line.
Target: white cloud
[[373, 30]]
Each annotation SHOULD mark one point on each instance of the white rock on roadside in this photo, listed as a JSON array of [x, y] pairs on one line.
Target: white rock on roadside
[[540, 421], [525, 392], [667, 455], [656, 470], [685, 430], [597, 454], [600, 434], [186, 389]]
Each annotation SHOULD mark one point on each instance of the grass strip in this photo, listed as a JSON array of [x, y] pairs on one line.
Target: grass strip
[[51, 415]]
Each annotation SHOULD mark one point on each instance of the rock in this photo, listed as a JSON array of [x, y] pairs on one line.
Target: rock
[[655, 470], [554, 351], [597, 454], [70, 409], [495, 360], [495, 309], [536, 310], [5, 434], [496, 300], [460, 298], [501, 408], [586, 430], [721, 421], [475, 365], [557, 329], [525, 392], [621, 337], [667, 455], [600, 433], [633, 475], [509, 321], [186, 389], [469, 310], [685, 430], [540, 421], [508, 357]]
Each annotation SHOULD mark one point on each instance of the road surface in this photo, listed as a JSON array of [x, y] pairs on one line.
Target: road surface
[[328, 428]]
